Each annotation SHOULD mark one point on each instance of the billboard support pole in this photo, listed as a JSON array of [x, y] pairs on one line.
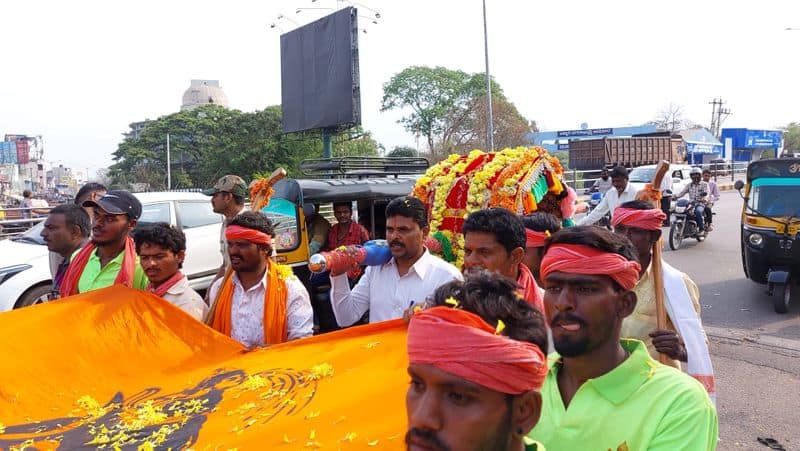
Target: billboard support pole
[[326, 143]]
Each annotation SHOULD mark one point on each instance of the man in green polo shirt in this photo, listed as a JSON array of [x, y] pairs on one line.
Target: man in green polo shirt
[[476, 366], [602, 392], [110, 258]]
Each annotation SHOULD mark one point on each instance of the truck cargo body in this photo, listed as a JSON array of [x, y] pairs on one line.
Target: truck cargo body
[[594, 154]]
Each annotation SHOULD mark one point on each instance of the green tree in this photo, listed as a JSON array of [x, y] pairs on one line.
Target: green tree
[[355, 142], [430, 93], [208, 142], [510, 128], [402, 151], [438, 99], [791, 137]]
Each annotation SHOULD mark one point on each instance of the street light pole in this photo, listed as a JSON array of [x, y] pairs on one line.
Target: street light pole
[[490, 122], [169, 169]]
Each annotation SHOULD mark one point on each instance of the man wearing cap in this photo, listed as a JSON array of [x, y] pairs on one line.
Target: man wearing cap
[[110, 257], [538, 227], [494, 240], [622, 192], [602, 392], [227, 199], [684, 339], [476, 366], [258, 302]]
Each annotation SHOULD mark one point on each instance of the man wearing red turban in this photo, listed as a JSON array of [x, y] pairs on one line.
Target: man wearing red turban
[[641, 223], [258, 302], [476, 367], [494, 240], [602, 392]]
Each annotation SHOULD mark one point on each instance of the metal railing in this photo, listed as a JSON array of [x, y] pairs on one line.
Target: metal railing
[[13, 222]]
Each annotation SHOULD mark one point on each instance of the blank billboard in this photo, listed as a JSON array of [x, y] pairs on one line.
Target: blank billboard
[[319, 74]]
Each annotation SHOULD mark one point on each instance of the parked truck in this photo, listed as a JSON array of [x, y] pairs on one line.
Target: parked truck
[[595, 154]]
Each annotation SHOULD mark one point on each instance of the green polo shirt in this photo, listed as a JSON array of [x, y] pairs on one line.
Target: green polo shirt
[[639, 405], [93, 277], [531, 445]]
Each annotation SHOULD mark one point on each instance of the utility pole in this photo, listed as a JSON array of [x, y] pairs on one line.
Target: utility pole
[[490, 120], [718, 114]]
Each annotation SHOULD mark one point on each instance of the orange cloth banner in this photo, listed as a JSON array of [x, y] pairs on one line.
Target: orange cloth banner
[[123, 369]]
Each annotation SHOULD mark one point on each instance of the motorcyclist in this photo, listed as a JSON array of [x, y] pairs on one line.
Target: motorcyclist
[[602, 184], [698, 193]]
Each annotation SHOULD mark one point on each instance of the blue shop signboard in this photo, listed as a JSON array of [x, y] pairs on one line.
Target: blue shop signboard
[[744, 138]]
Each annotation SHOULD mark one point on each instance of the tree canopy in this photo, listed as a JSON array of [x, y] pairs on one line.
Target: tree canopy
[[791, 137], [210, 141], [448, 106]]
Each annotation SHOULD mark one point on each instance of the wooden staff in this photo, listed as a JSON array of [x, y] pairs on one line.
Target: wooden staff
[[652, 193]]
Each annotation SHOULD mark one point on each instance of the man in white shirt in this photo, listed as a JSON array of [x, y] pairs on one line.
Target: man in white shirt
[[411, 276], [162, 249], [622, 192], [258, 302]]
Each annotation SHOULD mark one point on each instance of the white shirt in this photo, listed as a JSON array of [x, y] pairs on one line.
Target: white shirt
[[181, 295], [247, 310], [610, 202], [385, 293]]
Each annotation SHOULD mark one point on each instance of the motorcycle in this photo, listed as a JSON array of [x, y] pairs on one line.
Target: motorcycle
[[684, 224]]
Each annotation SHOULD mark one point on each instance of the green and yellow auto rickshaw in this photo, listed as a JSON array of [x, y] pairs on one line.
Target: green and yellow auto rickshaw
[[368, 182], [770, 222]]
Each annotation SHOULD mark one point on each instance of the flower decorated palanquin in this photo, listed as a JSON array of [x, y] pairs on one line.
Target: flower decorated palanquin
[[522, 180]]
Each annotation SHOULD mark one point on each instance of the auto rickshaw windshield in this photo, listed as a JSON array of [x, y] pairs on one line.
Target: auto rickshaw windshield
[[775, 197]]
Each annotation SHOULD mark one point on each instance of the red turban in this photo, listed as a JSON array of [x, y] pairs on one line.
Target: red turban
[[580, 259], [534, 238], [464, 345], [235, 232], [650, 219]]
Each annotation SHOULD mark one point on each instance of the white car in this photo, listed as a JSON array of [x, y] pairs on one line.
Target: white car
[[25, 261], [642, 175]]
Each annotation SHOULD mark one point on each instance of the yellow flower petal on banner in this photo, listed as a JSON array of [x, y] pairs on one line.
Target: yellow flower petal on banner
[[349, 437], [500, 327], [373, 443], [321, 370]]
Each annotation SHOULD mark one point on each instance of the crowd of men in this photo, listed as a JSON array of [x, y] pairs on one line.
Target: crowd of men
[[477, 340]]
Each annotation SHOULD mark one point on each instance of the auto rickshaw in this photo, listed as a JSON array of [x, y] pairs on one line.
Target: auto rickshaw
[[369, 182], [770, 222]]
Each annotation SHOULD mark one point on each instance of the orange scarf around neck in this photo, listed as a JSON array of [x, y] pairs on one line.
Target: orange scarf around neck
[[275, 296], [528, 288], [69, 285]]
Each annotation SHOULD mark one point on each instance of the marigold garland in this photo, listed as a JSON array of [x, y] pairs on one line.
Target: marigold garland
[[516, 179]]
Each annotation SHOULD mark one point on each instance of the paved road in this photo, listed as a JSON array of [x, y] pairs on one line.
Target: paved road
[[755, 351], [731, 301]]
